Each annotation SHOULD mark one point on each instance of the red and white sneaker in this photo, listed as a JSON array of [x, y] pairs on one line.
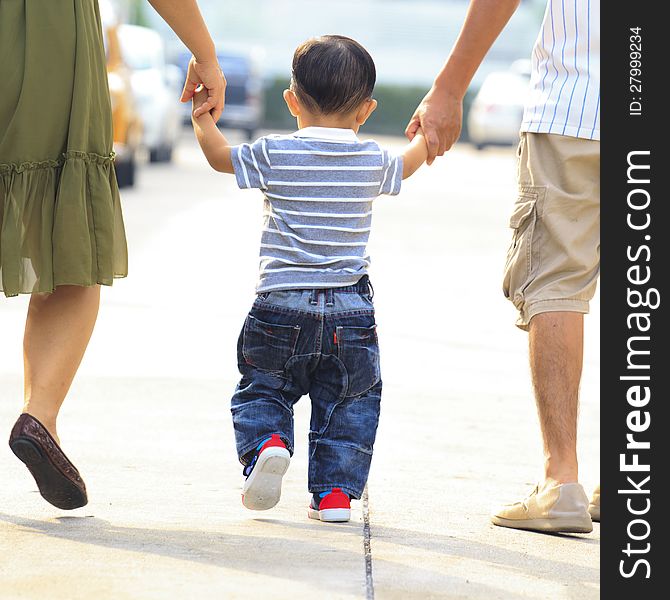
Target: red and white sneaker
[[333, 506], [262, 489]]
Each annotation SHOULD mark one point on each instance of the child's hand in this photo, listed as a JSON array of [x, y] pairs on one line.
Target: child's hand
[[213, 143], [415, 154], [199, 98]]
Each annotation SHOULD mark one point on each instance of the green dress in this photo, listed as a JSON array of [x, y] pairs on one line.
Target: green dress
[[60, 214]]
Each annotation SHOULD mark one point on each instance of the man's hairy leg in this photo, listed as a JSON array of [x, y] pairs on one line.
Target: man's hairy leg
[[556, 347]]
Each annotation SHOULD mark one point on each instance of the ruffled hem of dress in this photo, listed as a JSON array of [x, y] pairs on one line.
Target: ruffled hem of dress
[[88, 157], [60, 224]]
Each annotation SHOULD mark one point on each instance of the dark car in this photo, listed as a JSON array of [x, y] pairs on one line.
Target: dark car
[[244, 90]]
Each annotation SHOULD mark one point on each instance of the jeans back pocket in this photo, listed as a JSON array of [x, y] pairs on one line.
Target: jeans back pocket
[[358, 350], [268, 346]]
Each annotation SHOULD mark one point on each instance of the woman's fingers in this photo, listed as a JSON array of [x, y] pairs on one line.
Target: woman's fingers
[[212, 78], [189, 90], [205, 107], [193, 80], [218, 98]]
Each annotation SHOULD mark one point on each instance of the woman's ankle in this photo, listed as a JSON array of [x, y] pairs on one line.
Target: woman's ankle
[[47, 419]]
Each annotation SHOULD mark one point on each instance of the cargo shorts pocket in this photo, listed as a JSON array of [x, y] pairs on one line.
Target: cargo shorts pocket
[[268, 346], [358, 350], [522, 256]]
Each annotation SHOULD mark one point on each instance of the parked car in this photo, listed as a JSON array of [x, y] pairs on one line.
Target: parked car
[[244, 90], [126, 120], [497, 109], [156, 86]]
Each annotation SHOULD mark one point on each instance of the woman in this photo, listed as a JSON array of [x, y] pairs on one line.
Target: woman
[[61, 228]]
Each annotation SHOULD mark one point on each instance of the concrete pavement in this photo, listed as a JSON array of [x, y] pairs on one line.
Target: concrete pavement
[[147, 421]]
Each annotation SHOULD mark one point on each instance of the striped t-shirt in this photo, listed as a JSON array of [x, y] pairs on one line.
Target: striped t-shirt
[[565, 80], [319, 184]]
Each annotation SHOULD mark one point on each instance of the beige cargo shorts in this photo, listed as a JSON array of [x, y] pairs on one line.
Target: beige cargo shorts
[[553, 261]]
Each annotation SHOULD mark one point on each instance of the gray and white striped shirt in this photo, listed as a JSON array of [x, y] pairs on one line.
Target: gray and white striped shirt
[[565, 80], [319, 184]]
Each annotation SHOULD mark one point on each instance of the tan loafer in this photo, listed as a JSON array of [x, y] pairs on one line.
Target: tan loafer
[[556, 509], [594, 506]]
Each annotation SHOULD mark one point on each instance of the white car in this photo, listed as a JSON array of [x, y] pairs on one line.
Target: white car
[[497, 110], [156, 86]]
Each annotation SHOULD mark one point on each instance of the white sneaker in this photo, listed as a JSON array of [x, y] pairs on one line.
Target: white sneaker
[[262, 489]]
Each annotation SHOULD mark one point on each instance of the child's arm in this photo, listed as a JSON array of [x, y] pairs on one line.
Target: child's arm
[[213, 143], [414, 155]]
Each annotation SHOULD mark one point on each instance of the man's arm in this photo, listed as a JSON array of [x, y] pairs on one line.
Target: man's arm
[[441, 111]]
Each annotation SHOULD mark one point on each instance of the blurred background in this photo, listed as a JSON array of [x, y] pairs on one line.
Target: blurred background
[[409, 40]]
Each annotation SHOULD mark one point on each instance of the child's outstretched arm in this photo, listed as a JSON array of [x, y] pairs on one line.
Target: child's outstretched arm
[[414, 155], [213, 143]]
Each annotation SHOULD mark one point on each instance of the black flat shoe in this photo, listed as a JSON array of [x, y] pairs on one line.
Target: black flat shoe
[[57, 478]]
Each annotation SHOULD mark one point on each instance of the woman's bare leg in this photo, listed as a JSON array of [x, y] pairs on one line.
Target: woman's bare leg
[[58, 329]]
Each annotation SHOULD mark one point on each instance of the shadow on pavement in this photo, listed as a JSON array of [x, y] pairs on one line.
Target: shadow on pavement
[[232, 551], [454, 548]]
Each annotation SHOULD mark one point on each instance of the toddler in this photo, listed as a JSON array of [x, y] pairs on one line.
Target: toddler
[[311, 329]]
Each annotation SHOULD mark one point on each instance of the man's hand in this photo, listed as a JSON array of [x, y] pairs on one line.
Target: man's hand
[[439, 115], [441, 112], [208, 74]]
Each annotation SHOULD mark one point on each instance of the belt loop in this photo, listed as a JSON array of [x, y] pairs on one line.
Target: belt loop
[[330, 297], [314, 297], [371, 290]]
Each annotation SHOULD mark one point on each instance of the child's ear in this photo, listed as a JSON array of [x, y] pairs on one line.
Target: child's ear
[[292, 102], [366, 109]]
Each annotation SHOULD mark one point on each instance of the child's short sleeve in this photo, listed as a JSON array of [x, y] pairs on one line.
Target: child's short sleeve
[[251, 164], [391, 174]]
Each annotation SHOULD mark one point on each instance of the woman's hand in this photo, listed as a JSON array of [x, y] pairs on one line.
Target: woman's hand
[[439, 115], [208, 74]]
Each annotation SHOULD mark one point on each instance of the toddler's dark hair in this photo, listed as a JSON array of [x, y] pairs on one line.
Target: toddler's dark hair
[[333, 74]]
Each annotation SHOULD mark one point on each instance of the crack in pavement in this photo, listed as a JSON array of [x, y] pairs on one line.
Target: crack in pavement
[[367, 550]]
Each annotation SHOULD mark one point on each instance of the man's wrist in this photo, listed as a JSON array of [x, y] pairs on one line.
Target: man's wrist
[[452, 82], [445, 87]]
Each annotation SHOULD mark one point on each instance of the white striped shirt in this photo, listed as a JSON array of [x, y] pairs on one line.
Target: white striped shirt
[[319, 184], [565, 80]]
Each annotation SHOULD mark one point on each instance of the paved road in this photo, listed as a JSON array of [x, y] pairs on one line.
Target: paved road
[[148, 424]]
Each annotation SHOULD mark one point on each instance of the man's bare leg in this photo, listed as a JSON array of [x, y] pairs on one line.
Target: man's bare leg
[[556, 348], [558, 503]]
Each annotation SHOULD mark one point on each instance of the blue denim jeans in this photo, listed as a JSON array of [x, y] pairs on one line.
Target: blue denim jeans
[[322, 343]]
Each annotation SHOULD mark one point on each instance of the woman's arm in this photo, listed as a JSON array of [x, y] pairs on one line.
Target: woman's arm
[[185, 19]]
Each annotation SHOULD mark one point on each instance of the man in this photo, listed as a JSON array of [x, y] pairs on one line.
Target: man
[[554, 260]]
